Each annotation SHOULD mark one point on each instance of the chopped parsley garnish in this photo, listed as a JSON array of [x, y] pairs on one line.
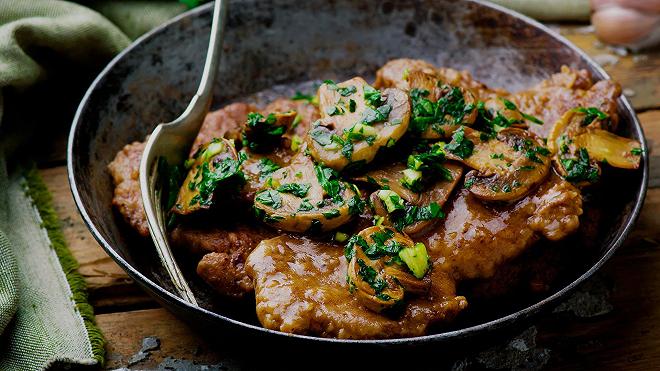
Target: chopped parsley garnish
[[296, 189], [226, 171], [312, 99], [429, 163], [334, 213], [305, 205], [261, 133], [370, 276], [497, 156], [468, 183], [636, 151], [355, 205], [460, 145], [347, 91], [372, 96], [329, 180], [270, 198], [351, 105], [321, 135], [511, 106], [349, 250], [450, 109], [413, 214], [580, 169], [266, 167], [334, 110], [591, 114], [371, 116]]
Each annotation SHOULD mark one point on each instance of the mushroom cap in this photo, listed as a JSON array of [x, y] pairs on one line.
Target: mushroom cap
[[216, 159], [344, 136], [507, 166], [295, 199], [380, 281]]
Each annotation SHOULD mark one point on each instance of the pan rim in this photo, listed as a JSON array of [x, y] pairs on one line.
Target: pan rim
[[501, 322]]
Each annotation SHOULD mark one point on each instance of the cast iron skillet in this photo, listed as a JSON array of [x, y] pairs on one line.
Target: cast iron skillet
[[283, 44]]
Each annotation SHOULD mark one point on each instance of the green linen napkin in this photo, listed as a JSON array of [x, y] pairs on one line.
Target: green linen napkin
[[45, 319]]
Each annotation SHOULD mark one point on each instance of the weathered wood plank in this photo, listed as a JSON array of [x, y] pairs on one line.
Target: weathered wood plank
[[109, 286], [651, 124], [637, 73], [125, 332]]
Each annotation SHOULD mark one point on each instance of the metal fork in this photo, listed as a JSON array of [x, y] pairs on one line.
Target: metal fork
[[172, 142]]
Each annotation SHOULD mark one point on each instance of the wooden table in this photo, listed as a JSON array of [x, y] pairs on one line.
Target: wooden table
[[620, 326]]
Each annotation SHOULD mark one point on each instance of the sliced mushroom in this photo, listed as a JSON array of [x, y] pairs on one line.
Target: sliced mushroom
[[579, 144], [376, 272], [604, 146], [304, 197], [506, 167], [215, 166], [356, 122], [391, 177]]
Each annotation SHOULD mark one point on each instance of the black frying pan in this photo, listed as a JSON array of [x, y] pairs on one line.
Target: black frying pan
[[279, 46]]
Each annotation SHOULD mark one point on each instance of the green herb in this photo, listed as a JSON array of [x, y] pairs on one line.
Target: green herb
[[329, 180], [296, 141], [261, 132], [509, 104], [636, 151], [226, 171], [334, 213], [370, 276], [391, 200], [270, 198], [450, 109], [296, 189], [312, 99], [460, 145], [383, 297], [340, 236], [334, 110], [416, 259], [531, 118], [371, 116], [591, 114], [355, 205], [351, 105], [413, 214], [527, 168], [266, 167], [347, 91], [321, 135], [580, 169], [497, 156], [468, 183], [372, 96], [170, 177], [305, 205], [349, 250]]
